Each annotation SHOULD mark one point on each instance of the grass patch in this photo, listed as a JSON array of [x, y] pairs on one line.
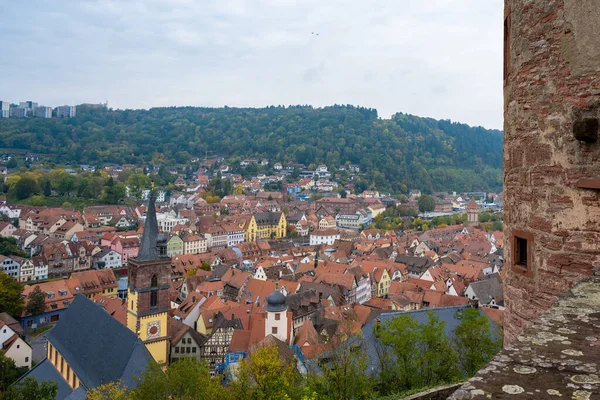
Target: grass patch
[[41, 330]]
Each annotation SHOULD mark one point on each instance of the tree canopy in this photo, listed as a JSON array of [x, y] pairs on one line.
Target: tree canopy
[[10, 295], [36, 301], [426, 203], [395, 154], [29, 389]]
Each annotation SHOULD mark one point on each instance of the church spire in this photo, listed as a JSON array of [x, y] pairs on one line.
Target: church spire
[[148, 250]]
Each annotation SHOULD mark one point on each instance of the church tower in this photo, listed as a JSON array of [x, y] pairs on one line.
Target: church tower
[[472, 213], [276, 323], [148, 301], [551, 153]]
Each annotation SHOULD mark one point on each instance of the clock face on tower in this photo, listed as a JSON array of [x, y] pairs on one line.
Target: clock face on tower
[[153, 330]]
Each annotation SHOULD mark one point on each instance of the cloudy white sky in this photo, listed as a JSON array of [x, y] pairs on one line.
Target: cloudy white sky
[[437, 58]]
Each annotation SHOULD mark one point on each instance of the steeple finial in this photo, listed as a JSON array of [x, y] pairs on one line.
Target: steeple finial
[[148, 250]]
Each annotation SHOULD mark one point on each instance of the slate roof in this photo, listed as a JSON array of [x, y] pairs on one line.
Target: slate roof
[[448, 315], [488, 289], [77, 394], [148, 250], [45, 371], [103, 252], [98, 347], [268, 218], [417, 265]]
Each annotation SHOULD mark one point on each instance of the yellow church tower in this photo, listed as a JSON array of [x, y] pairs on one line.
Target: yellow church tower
[[148, 301]]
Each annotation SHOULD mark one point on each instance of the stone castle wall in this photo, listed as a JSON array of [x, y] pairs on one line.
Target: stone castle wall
[[551, 152]]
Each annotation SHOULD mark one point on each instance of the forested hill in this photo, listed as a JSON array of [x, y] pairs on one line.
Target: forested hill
[[395, 154]]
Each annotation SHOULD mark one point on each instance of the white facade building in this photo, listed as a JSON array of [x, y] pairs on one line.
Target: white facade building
[[10, 267], [14, 347], [107, 258], [328, 237], [166, 222]]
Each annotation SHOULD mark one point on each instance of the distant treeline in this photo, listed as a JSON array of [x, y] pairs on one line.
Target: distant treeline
[[398, 154]]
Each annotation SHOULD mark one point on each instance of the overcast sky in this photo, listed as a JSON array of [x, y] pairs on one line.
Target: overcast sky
[[436, 58]]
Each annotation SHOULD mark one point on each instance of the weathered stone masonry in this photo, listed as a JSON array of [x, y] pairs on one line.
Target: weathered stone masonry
[[551, 152]]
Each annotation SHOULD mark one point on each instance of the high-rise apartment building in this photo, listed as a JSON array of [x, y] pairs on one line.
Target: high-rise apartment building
[[43, 112], [4, 109], [66, 111], [28, 104], [19, 112]]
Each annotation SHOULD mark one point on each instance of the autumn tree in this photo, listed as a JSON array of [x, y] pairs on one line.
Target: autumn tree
[[109, 391], [266, 376]]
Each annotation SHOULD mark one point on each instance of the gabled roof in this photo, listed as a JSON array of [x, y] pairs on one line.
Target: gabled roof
[[347, 281], [97, 347], [6, 319], [178, 329], [45, 371], [268, 218], [488, 289]]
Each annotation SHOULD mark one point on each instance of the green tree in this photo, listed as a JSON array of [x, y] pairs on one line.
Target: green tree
[[32, 389], [36, 301], [423, 353], [485, 217], [401, 335], [265, 376], [9, 247], [12, 163], [474, 340], [9, 372], [66, 184], [344, 373], [426, 203], [137, 183], [10, 295], [113, 192], [439, 360], [45, 185], [95, 187], [25, 187], [184, 379]]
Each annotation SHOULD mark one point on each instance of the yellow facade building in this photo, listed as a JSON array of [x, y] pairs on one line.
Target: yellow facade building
[[270, 225]]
